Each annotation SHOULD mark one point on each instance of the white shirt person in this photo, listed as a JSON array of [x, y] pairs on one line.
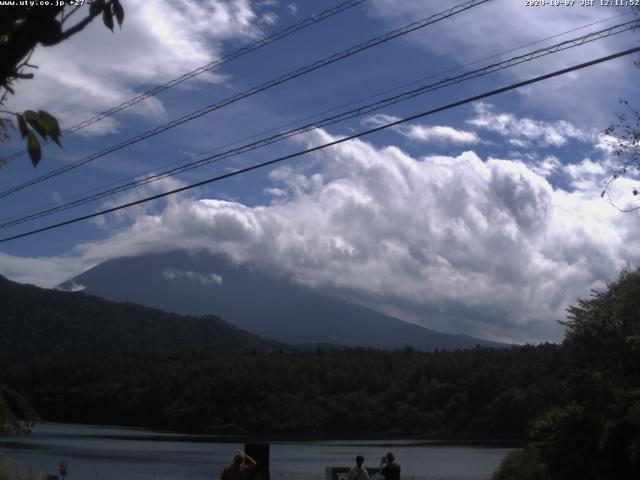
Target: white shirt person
[[358, 472]]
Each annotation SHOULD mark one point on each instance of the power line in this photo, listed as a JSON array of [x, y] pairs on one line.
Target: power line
[[330, 144], [210, 66], [315, 115], [247, 93], [309, 117], [527, 57]]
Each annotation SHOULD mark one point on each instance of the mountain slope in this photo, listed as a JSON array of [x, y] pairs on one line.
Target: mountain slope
[[262, 304], [36, 323]]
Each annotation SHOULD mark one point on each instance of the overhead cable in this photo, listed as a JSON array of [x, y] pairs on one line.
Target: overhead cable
[[209, 66], [252, 91], [541, 52], [329, 144]]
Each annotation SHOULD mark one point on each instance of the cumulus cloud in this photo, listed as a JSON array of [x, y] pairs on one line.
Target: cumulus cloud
[[423, 133], [159, 41], [526, 132], [173, 274], [132, 213], [460, 244], [546, 166], [586, 175]]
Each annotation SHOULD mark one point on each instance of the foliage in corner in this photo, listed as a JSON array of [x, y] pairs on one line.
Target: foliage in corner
[[22, 29], [595, 434], [10, 470], [625, 135], [522, 464], [17, 416], [624, 138]]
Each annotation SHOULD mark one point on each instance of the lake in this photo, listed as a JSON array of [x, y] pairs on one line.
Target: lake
[[114, 453]]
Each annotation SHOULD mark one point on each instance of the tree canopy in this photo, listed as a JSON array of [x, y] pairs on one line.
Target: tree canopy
[[595, 433]]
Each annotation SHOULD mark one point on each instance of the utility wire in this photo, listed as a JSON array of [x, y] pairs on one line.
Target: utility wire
[[147, 173], [210, 66], [252, 91], [315, 115], [572, 43], [309, 117], [370, 131]]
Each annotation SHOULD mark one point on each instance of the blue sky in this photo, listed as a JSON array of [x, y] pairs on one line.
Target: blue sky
[[485, 219]]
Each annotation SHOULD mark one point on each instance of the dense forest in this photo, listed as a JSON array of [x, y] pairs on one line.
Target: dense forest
[[577, 404], [482, 393], [594, 433], [45, 324]]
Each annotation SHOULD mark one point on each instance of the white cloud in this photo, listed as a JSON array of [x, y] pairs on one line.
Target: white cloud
[[586, 175], [501, 26], [607, 144], [97, 69], [526, 132], [275, 192], [41, 271], [173, 274], [547, 166], [73, 287], [132, 213], [426, 134], [459, 244], [269, 18]]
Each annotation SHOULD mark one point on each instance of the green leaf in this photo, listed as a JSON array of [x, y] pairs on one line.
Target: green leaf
[[35, 121], [33, 147], [22, 125], [118, 12], [50, 124], [107, 17], [96, 7]]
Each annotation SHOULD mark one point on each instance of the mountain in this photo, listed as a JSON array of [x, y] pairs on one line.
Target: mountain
[[267, 305], [41, 323]]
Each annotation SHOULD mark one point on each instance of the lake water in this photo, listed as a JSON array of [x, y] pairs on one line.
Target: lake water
[[114, 453]]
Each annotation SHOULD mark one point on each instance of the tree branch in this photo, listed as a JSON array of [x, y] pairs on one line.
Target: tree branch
[[78, 27]]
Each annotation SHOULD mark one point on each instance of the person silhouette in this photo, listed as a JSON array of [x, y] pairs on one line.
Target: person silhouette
[[238, 471], [358, 472], [389, 469]]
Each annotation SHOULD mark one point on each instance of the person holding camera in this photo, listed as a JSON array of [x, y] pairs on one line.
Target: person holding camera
[[389, 469], [237, 470]]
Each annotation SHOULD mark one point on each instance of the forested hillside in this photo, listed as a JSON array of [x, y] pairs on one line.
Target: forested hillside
[[80, 358], [594, 433], [482, 393], [41, 323]]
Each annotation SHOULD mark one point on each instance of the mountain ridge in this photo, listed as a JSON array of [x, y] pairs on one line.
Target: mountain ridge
[[42, 323], [267, 305]]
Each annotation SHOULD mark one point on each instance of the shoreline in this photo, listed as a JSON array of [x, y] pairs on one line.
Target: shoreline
[[346, 440]]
